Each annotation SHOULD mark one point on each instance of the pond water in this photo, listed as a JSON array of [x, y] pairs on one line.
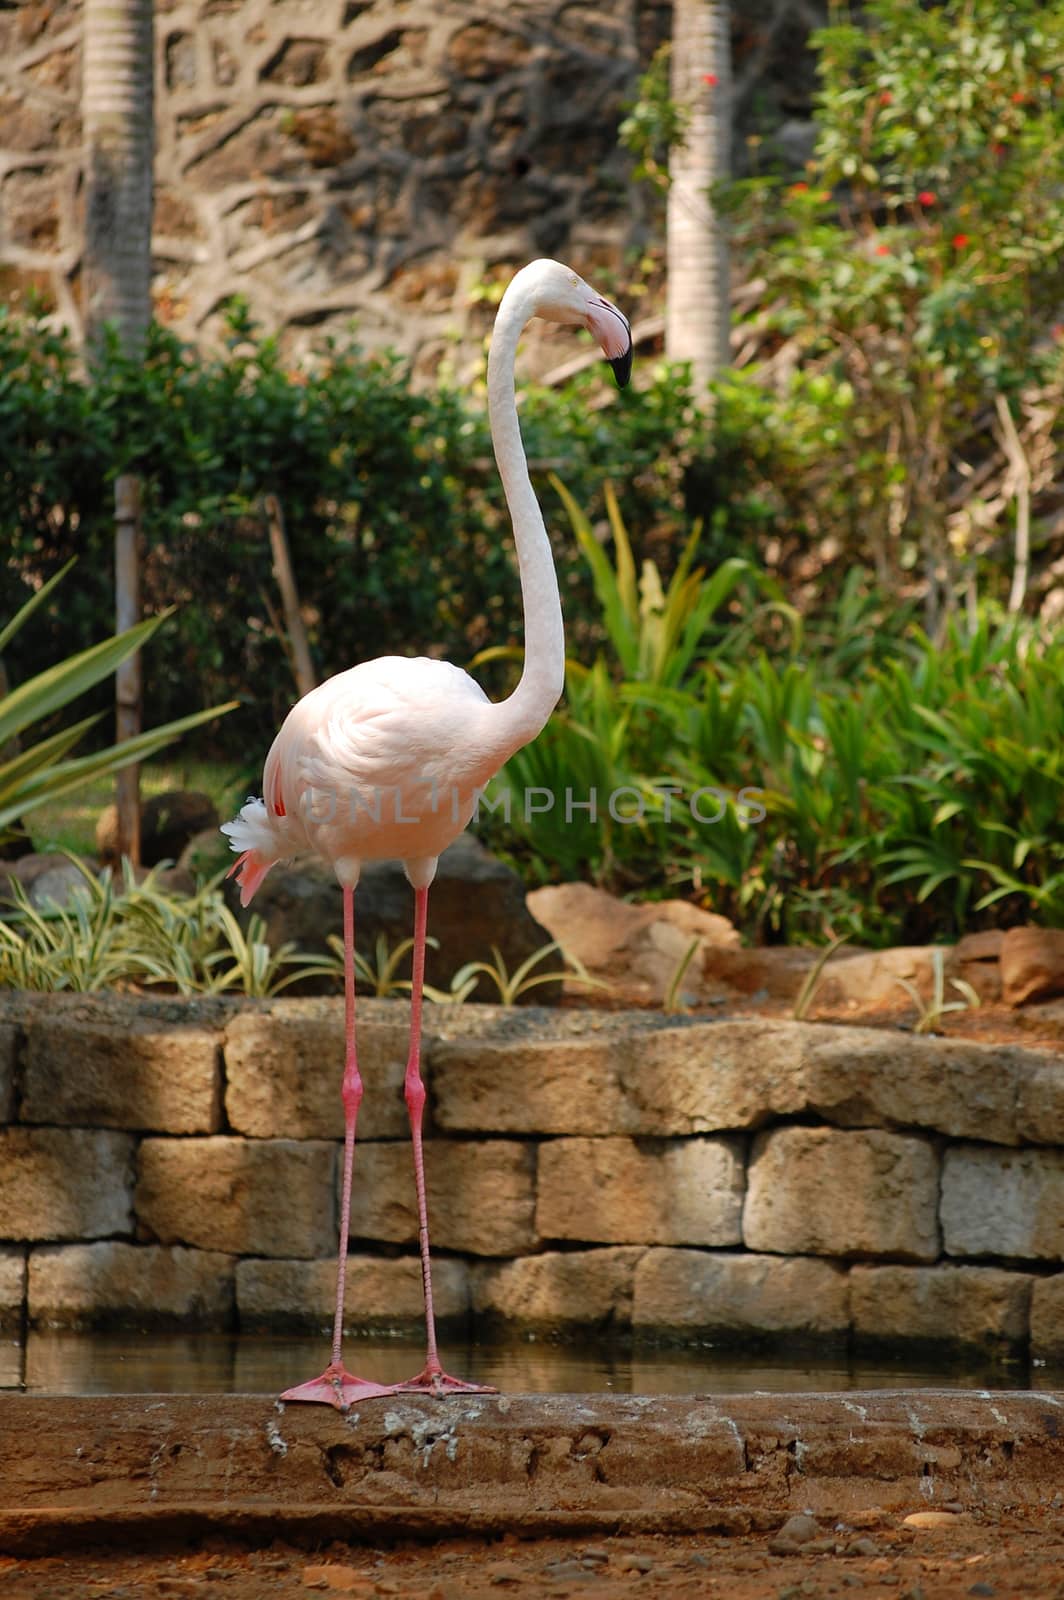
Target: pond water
[[145, 1363]]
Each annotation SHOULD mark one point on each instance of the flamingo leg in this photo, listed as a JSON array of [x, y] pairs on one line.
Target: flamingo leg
[[336, 1386], [432, 1379]]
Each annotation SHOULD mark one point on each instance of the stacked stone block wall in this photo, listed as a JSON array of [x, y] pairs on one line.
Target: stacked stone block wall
[[358, 159], [177, 1163]]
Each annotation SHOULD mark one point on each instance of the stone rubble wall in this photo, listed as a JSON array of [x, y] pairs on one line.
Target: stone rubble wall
[[177, 1163], [367, 159]]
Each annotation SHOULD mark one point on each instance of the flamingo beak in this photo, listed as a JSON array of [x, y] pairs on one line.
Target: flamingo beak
[[613, 332]]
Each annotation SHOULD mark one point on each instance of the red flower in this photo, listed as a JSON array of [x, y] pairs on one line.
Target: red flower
[[1018, 98], [882, 249], [959, 241], [799, 188], [710, 78], [926, 197], [886, 98]]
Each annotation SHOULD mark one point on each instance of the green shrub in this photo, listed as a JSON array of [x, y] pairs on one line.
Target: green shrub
[[914, 275], [399, 534]]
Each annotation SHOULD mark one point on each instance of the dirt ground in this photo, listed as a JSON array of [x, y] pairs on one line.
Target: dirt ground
[[1010, 1554]]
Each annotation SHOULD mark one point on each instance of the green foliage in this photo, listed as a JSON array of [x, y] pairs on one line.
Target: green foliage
[[510, 986], [654, 122], [395, 516], [37, 775], [136, 934], [873, 785], [915, 270], [931, 1011]]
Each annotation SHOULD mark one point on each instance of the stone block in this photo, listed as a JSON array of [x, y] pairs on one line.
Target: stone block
[[829, 1191], [65, 1183], [982, 1306], [283, 1076], [1032, 964], [268, 1197], [164, 1080], [8, 1058], [868, 1077], [380, 1293], [627, 1191], [480, 1195], [1047, 1318], [559, 1288], [12, 1286], [660, 1082], [707, 1078], [527, 1086], [111, 1283], [1040, 1102], [1003, 1202], [740, 1293]]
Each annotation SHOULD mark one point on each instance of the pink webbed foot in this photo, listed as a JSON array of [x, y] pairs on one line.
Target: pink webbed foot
[[340, 1388], [433, 1381]]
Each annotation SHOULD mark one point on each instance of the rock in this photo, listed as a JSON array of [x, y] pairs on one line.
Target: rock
[[800, 1528], [619, 1191], [873, 977], [635, 949], [985, 1307], [65, 1183], [932, 1519], [206, 854], [481, 1195], [558, 1288], [776, 972], [826, 1191], [1003, 1202], [1032, 964], [476, 902], [269, 1197], [732, 1293], [138, 1076], [167, 823], [1047, 1318], [12, 1286], [49, 876], [382, 1293], [90, 1285]]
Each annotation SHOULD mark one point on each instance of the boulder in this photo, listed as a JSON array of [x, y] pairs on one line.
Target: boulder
[[167, 823], [47, 878], [635, 949], [476, 903], [1032, 964]]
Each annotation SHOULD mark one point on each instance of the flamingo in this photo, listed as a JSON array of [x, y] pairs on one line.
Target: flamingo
[[386, 761]]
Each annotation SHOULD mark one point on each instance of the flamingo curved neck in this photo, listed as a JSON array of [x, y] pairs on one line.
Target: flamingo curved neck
[[520, 717]]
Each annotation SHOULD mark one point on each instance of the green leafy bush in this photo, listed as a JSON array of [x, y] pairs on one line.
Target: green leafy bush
[[913, 274], [878, 786], [395, 517], [37, 774]]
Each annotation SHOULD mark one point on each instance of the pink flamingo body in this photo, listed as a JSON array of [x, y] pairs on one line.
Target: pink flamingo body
[[386, 761]]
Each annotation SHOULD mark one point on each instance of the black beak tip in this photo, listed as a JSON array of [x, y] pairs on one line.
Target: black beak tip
[[622, 367]]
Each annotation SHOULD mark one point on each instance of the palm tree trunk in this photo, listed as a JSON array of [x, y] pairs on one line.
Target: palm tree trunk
[[117, 117], [696, 312]]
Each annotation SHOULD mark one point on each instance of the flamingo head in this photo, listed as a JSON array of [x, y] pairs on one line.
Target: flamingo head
[[560, 295]]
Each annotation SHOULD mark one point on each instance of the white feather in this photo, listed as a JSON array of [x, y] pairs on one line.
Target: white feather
[[252, 829]]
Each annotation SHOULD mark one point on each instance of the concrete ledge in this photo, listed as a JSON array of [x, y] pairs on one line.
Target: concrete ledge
[[152, 1468]]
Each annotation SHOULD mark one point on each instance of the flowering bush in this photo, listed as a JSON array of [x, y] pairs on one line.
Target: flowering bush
[[917, 265]]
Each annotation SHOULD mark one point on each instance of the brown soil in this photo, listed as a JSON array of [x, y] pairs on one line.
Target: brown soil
[[1008, 1553], [930, 1495]]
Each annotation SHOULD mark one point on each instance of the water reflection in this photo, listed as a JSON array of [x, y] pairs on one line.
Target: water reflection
[[70, 1363]]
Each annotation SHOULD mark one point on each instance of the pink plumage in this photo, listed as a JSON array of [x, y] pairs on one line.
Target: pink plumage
[[386, 762]]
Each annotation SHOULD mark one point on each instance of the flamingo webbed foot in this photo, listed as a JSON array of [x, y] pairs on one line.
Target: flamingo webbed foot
[[338, 1387], [433, 1381]]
